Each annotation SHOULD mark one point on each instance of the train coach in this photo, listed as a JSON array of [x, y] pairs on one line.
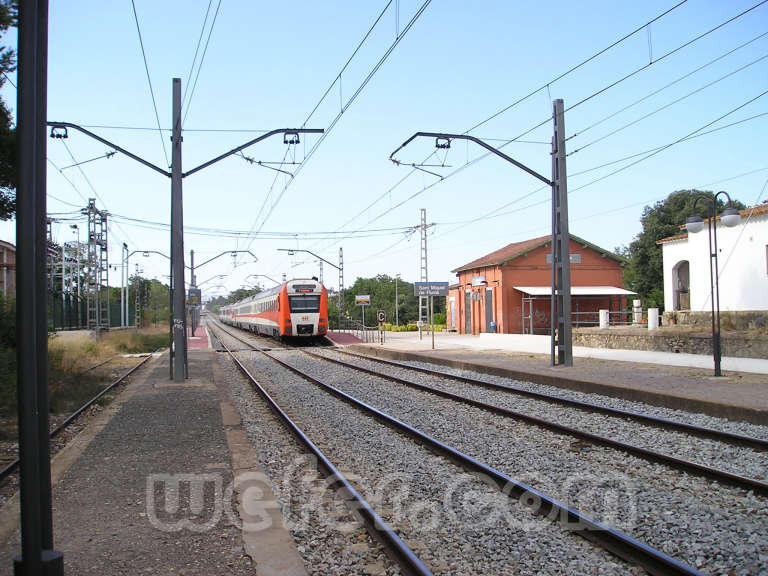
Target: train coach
[[298, 308]]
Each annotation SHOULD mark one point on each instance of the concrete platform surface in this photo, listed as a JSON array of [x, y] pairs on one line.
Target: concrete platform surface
[[683, 381], [145, 490]]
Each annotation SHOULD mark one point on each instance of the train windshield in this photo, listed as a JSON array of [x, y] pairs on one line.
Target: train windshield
[[304, 303]]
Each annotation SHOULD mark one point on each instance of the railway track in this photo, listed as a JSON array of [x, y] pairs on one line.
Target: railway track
[[622, 545], [667, 424], [379, 530], [12, 466]]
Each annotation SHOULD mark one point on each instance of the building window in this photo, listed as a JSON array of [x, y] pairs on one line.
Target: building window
[[575, 258]]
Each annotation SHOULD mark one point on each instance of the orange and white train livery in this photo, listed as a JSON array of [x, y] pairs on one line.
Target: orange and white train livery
[[297, 308]]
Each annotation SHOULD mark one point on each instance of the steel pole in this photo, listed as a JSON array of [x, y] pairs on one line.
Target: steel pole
[[712, 282], [177, 242], [37, 553]]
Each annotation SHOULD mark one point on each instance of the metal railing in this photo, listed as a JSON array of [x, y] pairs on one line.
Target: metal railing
[[368, 334]]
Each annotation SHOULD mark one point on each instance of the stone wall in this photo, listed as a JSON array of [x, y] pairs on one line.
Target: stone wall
[[736, 344], [729, 321]]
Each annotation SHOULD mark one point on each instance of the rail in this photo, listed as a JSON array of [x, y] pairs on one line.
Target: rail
[[624, 546], [378, 529], [76, 414]]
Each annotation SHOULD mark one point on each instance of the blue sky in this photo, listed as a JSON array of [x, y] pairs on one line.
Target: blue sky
[[267, 65]]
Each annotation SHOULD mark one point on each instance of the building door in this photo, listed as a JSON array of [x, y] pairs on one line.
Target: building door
[[467, 313], [527, 315], [452, 301], [488, 309]]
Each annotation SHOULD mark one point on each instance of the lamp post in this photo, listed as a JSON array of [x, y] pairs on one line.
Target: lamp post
[[694, 223]]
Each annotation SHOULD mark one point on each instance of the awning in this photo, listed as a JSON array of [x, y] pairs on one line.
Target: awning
[[576, 291]]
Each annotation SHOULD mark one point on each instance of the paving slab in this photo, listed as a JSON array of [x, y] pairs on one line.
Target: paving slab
[[638, 375], [148, 492]]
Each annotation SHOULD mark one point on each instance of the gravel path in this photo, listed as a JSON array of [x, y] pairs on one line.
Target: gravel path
[[454, 522], [714, 528], [709, 452]]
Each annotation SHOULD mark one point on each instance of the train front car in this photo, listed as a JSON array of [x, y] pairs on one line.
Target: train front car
[[306, 313]]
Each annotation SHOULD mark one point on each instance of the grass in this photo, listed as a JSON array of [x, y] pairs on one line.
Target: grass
[[70, 355]]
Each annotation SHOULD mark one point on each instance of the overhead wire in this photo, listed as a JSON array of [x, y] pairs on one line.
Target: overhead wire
[[197, 49], [512, 105], [659, 90], [668, 105], [85, 177], [497, 212], [582, 101], [200, 65], [348, 103], [149, 80]]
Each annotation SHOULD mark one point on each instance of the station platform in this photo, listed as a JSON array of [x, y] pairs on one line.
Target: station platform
[[154, 485], [680, 381], [198, 340]]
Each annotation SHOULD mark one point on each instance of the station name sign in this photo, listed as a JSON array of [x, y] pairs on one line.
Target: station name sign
[[430, 288]]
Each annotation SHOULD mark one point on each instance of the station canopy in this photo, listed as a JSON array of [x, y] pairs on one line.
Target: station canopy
[[576, 291]]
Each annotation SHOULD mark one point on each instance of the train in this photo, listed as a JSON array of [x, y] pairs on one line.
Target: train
[[294, 309]]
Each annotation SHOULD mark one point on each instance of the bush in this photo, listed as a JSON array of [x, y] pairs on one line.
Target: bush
[[140, 343]]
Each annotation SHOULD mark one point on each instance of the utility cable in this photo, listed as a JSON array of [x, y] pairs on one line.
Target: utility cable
[[576, 67], [542, 123], [346, 64], [667, 146], [496, 212], [202, 59], [679, 79], [665, 106], [72, 184], [149, 80], [197, 49], [346, 105], [85, 177]]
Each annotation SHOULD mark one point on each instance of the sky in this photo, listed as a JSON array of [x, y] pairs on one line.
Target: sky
[[676, 105]]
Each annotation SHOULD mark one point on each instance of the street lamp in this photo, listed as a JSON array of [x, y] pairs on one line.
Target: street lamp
[[694, 223]]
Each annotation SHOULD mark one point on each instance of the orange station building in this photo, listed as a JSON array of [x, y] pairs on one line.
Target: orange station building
[[509, 290]]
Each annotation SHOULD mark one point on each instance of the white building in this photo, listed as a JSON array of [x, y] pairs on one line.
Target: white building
[[742, 253]]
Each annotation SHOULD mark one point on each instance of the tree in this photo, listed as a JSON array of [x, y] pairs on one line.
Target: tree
[[382, 292], [8, 19], [644, 274]]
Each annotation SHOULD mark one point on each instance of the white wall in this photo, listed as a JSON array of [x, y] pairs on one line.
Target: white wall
[[743, 270]]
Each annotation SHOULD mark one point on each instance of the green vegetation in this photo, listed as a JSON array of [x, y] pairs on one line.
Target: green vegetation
[[645, 274]]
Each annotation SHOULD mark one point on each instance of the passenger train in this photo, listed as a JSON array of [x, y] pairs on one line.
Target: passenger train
[[297, 308]]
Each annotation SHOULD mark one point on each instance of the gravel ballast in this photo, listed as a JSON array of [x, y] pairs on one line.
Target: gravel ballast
[[711, 527], [455, 523]]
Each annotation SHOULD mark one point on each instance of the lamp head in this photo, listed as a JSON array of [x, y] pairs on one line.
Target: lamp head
[[694, 224], [730, 217]]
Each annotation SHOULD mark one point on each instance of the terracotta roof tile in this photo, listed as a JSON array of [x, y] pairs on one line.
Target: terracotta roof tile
[[516, 249]]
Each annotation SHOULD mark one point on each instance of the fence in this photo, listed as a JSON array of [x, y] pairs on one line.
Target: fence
[[368, 334], [69, 313]]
